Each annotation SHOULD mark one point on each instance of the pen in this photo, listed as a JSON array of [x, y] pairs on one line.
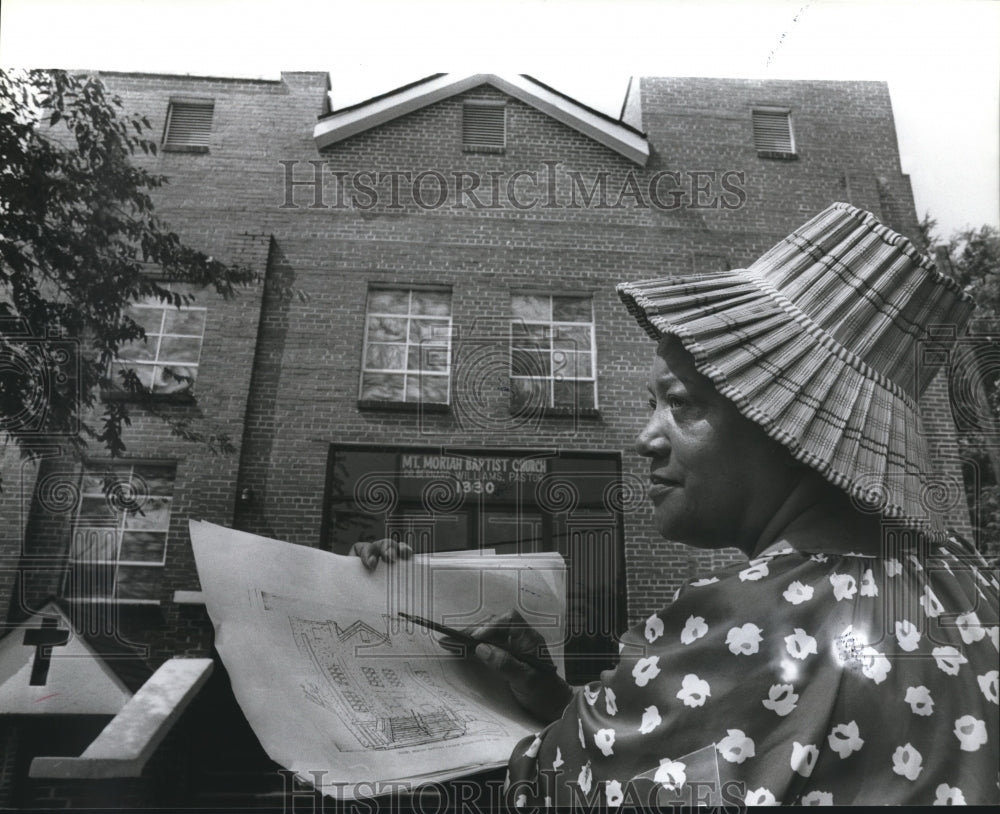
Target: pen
[[465, 638]]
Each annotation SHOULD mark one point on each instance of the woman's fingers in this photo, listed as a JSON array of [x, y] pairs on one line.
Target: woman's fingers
[[389, 550]]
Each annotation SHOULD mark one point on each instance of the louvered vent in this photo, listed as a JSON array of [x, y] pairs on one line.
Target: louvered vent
[[483, 126], [189, 124], [772, 133]]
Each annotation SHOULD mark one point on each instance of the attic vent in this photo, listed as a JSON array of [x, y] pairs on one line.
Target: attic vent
[[189, 124], [484, 126], [772, 134]]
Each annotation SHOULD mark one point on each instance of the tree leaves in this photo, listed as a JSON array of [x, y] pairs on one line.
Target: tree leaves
[[79, 236]]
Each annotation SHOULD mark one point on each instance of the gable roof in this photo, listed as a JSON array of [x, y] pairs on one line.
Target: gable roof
[[612, 133]]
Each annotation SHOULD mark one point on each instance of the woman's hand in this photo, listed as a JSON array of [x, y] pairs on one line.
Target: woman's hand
[[543, 693], [388, 550]]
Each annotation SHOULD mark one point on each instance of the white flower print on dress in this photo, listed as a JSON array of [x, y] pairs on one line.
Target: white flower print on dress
[[579, 732], [672, 774], [971, 733], [646, 670], [736, 747], [757, 570], [760, 797], [907, 635], [797, 593], [844, 586], [694, 629], [948, 659], [532, 750], [800, 644], [804, 758], [931, 604], [701, 583], [845, 739], [585, 778], [613, 793], [521, 801], [868, 586], [591, 691], [694, 691], [988, 685], [559, 759], [610, 702], [744, 640], [907, 762], [893, 567], [920, 701], [650, 720], [604, 739], [949, 796], [818, 798], [969, 627], [781, 699], [654, 628], [820, 558], [874, 665]]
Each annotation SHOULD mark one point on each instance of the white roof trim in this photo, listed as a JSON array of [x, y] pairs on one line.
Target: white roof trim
[[125, 745], [618, 137]]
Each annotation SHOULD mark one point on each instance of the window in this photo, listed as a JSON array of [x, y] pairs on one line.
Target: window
[[189, 124], [407, 351], [119, 543], [484, 126], [167, 361], [552, 352], [772, 133]]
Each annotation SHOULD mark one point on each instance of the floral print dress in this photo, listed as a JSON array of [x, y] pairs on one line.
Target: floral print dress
[[803, 678]]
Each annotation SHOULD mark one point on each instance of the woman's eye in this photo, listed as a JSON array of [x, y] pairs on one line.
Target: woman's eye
[[652, 404], [675, 402]]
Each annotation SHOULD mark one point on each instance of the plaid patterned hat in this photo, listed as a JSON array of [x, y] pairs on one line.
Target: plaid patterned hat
[[817, 342]]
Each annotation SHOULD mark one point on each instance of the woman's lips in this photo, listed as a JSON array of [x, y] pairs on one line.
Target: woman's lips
[[659, 489]]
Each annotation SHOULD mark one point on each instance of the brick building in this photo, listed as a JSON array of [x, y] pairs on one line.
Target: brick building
[[436, 352]]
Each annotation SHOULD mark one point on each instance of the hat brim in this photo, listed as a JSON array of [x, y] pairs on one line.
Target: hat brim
[[785, 373]]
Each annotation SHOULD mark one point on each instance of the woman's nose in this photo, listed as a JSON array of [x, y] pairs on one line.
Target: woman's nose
[[651, 441]]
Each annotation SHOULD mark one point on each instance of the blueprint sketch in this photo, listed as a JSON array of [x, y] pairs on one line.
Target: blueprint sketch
[[338, 687]]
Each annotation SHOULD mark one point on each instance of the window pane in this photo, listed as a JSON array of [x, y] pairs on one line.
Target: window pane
[[433, 303], [529, 335], [429, 331], [143, 547], [433, 389], [179, 349], [173, 378], [184, 322], [428, 358], [149, 318], [388, 302], [567, 365], [571, 309], [139, 351], [143, 372], [90, 581], [382, 386], [153, 513], [137, 582], [96, 507], [94, 543], [572, 337], [526, 306], [386, 357], [529, 363], [387, 329], [153, 480]]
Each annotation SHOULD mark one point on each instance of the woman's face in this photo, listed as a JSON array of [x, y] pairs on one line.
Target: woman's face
[[716, 478]]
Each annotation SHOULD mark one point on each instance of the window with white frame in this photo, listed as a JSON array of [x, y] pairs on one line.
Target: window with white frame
[[166, 362], [189, 124], [552, 352], [407, 348], [772, 133], [119, 537]]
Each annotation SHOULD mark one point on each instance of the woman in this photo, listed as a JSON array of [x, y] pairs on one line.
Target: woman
[[853, 659]]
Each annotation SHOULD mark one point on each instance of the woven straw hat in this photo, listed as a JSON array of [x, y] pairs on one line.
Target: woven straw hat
[[817, 342]]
